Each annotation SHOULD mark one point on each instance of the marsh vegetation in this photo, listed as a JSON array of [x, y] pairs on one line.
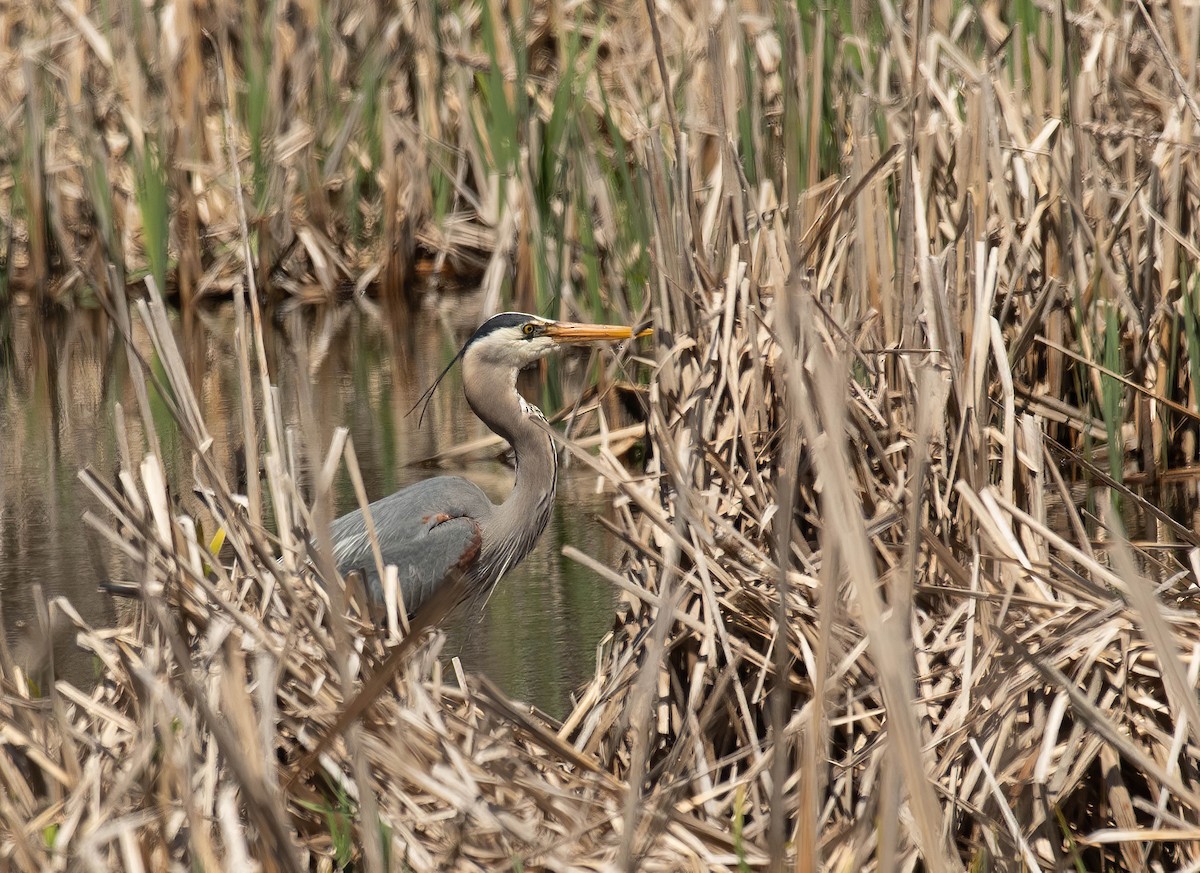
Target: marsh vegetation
[[900, 591]]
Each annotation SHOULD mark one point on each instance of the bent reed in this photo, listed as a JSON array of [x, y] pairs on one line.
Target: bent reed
[[900, 591]]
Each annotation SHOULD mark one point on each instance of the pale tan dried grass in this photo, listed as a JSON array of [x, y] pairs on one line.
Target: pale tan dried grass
[[854, 637]]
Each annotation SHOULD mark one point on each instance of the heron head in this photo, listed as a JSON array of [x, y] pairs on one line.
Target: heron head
[[515, 340]]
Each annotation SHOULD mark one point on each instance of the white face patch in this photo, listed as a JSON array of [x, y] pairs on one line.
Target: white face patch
[[510, 347]]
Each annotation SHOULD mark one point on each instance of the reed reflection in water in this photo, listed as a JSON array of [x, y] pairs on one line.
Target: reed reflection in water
[[62, 379]]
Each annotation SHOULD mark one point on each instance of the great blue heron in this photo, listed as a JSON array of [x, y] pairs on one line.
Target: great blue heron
[[447, 526]]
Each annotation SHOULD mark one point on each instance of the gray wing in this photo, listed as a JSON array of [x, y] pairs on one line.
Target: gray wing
[[426, 530]]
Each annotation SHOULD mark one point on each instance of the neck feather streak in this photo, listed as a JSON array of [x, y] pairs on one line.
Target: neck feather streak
[[516, 524]]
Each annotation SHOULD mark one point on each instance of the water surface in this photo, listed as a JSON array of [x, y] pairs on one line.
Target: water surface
[[62, 378]]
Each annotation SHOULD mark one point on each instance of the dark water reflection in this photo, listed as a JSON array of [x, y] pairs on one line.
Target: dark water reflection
[[60, 384]]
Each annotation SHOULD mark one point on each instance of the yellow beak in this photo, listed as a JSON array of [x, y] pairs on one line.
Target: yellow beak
[[571, 333]]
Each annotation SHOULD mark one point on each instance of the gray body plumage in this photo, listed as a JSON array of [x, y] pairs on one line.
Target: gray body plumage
[[445, 525], [414, 535]]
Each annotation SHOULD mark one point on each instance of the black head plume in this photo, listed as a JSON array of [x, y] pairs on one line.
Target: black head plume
[[423, 400], [496, 322]]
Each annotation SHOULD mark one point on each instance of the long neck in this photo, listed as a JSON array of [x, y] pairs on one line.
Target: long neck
[[517, 523]]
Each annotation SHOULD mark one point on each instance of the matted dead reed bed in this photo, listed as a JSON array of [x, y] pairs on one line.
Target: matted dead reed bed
[[880, 608]]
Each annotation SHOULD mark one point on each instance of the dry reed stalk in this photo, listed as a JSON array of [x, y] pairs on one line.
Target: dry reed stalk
[[853, 637]]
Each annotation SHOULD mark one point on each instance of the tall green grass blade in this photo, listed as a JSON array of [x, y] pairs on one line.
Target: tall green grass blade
[[498, 137], [1113, 392], [631, 205], [152, 197], [6, 261], [748, 151], [1190, 305], [258, 22]]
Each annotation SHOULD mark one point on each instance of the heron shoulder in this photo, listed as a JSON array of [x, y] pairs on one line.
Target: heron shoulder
[[443, 495], [404, 514], [426, 530]]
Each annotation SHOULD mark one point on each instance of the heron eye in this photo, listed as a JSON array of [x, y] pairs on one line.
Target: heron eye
[[529, 328]]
